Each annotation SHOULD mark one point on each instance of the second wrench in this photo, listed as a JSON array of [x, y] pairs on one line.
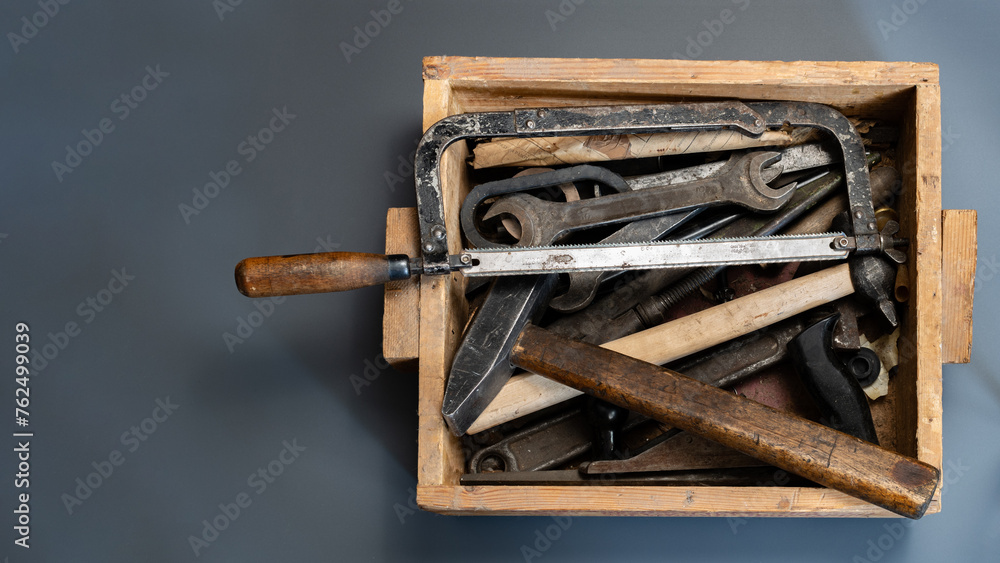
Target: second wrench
[[543, 222]]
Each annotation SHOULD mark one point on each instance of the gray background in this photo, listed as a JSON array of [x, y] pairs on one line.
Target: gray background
[[347, 496]]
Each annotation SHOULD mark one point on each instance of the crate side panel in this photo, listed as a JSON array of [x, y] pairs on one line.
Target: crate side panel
[[442, 308], [647, 501]]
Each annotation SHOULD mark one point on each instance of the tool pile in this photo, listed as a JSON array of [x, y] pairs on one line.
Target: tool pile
[[716, 264]]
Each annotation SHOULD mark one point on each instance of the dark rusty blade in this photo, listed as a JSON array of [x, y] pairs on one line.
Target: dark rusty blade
[[680, 452], [481, 365]]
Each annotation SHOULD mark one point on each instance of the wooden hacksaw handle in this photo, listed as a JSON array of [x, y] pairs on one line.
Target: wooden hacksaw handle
[[831, 458], [297, 274]]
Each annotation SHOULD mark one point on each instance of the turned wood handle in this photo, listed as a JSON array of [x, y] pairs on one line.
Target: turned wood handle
[[840, 461], [297, 274]]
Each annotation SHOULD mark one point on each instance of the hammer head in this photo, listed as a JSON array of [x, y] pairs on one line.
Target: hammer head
[[482, 363]]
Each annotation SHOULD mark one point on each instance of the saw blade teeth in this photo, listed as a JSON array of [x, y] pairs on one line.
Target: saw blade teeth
[[564, 247]]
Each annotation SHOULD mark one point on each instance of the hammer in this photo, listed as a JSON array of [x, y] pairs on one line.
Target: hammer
[[829, 457]]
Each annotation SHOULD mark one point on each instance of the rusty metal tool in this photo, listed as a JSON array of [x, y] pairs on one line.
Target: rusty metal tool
[[831, 458], [480, 368], [544, 222], [681, 451], [280, 275], [546, 445], [833, 386], [732, 362], [793, 159], [553, 442]]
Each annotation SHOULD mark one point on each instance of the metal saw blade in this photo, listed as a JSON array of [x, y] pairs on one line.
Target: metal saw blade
[[644, 256]]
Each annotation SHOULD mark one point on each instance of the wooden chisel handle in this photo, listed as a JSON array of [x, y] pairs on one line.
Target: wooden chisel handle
[[297, 274], [836, 460]]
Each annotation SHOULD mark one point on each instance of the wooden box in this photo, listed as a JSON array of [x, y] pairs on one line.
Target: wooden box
[[424, 319]]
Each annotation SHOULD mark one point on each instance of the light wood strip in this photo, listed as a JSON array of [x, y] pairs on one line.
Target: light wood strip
[[958, 283], [401, 318]]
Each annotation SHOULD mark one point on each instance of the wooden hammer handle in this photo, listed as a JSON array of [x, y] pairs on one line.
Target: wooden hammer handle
[[297, 274], [861, 469]]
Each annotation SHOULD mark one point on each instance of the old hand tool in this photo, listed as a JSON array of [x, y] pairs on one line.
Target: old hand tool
[[681, 451], [543, 222], [831, 383], [553, 442], [278, 275], [831, 458], [793, 159], [480, 368], [546, 445]]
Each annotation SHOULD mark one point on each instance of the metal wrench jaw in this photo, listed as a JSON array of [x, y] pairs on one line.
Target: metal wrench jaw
[[750, 188], [531, 213]]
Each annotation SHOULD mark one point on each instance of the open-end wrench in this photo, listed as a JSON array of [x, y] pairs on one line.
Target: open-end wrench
[[741, 183]]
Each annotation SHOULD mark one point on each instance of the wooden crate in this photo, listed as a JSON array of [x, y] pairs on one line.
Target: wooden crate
[[424, 319]]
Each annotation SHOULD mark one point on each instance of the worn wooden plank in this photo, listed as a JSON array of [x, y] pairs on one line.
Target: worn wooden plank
[[613, 73], [735, 502], [438, 454], [958, 245], [401, 318], [917, 387], [865, 89]]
